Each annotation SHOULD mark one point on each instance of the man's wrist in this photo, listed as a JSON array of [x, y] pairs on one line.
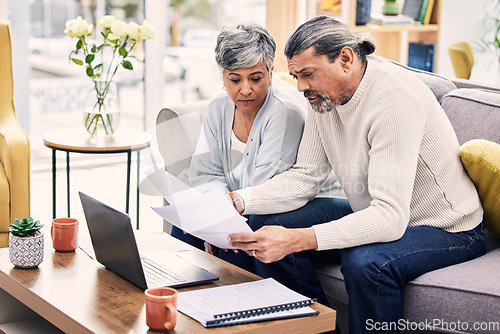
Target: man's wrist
[[305, 239], [238, 203]]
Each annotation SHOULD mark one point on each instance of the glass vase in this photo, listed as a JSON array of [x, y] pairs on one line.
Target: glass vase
[[101, 112]]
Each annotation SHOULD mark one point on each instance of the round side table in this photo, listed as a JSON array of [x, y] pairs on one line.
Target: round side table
[[77, 140]]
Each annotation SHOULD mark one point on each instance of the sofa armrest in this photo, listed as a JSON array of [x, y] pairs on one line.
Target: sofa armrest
[[177, 132]]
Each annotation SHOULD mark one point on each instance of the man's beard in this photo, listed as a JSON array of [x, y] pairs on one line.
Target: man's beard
[[325, 104]]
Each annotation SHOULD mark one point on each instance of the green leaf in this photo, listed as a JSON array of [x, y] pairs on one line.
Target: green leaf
[[94, 48], [77, 61], [127, 65], [90, 72], [89, 58], [123, 52], [25, 227], [100, 47], [79, 44]]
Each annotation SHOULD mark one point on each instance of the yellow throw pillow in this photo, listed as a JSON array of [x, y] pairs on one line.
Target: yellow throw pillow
[[481, 159]]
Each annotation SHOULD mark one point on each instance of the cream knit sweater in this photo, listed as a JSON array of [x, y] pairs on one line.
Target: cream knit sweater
[[396, 155]]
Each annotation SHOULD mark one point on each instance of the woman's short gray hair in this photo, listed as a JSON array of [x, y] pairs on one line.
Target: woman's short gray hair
[[328, 36], [245, 45]]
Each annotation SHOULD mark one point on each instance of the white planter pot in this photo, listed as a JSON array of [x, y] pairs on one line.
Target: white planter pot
[[26, 252]]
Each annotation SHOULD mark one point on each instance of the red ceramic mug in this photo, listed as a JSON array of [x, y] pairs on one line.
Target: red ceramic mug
[[161, 308], [64, 232]]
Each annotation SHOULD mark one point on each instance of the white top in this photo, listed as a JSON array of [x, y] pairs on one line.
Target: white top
[[237, 149], [271, 146], [394, 152]]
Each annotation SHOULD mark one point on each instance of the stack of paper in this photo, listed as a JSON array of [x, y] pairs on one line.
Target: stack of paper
[[391, 19]]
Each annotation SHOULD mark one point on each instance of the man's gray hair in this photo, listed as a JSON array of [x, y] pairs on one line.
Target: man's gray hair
[[328, 36], [245, 45]]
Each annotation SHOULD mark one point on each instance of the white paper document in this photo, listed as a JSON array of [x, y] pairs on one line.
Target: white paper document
[[208, 216], [170, 187]]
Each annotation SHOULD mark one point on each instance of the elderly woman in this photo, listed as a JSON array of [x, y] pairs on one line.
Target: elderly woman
[[251, 132], [249, 135]]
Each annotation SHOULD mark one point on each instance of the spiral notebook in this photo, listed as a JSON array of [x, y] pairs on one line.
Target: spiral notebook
[[255, 301]]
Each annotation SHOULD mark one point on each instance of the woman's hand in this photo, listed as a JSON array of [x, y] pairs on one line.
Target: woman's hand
[[236, 201], [214, 250], [272, 243]]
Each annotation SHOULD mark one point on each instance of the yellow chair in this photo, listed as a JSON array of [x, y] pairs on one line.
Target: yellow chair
[[462, 59], [14, 147]]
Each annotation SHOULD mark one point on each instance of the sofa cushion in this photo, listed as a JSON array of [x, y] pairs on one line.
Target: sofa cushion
[[467, 292], [469, 110], [481, 159]]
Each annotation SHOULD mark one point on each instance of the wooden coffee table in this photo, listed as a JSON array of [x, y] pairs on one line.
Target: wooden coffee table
[[76, 294]]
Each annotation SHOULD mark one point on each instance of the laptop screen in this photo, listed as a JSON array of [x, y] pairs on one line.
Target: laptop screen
[[113, 240]]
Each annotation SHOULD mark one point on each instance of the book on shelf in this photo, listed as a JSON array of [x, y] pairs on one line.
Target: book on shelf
[[428, 12], [248, 302], [422, 11], [391, 19], [412, 8], [422, 56]]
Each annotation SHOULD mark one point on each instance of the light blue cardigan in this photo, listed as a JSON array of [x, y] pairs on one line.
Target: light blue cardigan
[[271, 147]]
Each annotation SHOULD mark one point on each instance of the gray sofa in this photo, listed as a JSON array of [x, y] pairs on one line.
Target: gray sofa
[[464, 298]]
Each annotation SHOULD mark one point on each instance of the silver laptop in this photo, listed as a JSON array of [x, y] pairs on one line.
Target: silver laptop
[[115, 247]]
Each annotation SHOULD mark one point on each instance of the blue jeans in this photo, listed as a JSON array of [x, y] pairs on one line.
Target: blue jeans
[[240, 260], [295, 270], [187, 238], [375, 273]]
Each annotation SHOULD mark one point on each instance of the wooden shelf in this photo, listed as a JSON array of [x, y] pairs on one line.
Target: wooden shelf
[[392, 40], [396, 27]]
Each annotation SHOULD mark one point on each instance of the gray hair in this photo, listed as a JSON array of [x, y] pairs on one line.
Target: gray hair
[[245, 45], [328, 36]]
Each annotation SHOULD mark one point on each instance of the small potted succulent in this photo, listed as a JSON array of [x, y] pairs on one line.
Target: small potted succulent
[[26, 243]]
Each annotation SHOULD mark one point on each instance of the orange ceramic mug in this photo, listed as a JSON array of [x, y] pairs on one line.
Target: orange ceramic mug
[[161, 308], [64, 232]]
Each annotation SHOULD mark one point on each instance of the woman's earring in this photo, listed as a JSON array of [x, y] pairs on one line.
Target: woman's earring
[[223, 87]]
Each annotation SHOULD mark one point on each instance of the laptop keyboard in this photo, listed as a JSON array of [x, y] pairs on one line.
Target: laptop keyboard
[[157, 275]]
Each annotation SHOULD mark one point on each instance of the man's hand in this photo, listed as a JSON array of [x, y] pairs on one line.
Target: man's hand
[[272, 243]]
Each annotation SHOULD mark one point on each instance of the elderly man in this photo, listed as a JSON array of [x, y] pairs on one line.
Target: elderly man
[[410, 207]]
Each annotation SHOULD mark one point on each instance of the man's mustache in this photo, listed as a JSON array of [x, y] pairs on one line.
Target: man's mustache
[[308, 93]]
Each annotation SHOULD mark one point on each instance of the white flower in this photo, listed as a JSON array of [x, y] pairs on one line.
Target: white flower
[[134, 31], [119, 28], [113, 38], [106, 21], [78, 28], [147, 30]]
